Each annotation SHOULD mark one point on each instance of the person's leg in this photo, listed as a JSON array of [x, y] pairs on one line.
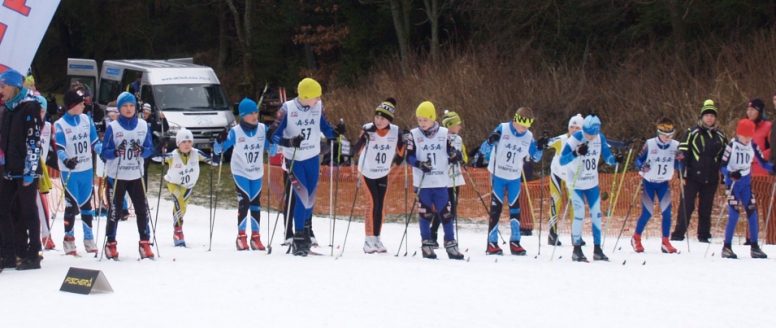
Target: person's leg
[[71, 204], [381, 191], [664, 197], [513, 195], [298, 178], [28, 229], [556, 206], [496, 206], [705, 205], [255, 204], [686, 207], [443, 210], [734, 200], [578, 202], [84, 199], [370, 185], [138, 197], [242, 186], [593, 196], [647, 205]]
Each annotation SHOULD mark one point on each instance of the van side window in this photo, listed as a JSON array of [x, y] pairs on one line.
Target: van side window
[[109, 91], [147, 96]]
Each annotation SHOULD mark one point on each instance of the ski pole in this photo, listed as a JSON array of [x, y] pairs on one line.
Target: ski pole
[[721, 213], [409, 215], [530, 204], [566, 211], [541, 199], [61, 197], [331, 193], [487, 211], [287, 195], [99, 198], [617, 196], [684, 209], [627, 215], [353, 207], [336, 194], [215, 203]]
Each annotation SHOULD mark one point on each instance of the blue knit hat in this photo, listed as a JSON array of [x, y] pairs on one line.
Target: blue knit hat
[[247, 106], [126, 97], [592, 125], [12, 78]]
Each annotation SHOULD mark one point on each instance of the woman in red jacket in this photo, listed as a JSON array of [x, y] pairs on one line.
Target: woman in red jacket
[[762, 132]]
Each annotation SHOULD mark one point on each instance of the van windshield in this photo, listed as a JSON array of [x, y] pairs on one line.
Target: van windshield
[[190, 97]]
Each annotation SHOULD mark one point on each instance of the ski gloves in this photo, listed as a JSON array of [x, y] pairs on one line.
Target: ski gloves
[[735, 175], [222, 136], [423, 166], [71, 163], [340, 129], [542, 142], [581, 150], [136, 150]]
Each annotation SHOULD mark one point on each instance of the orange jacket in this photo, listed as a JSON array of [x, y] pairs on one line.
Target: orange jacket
[[762, 137]]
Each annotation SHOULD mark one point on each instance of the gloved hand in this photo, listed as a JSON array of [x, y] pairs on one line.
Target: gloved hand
[[121, 150], [98, 147], [581, 150], [645, 168], [405, 134], [542, 142], [619, 159], [340, 129], [71, 163], [217, 148], [273, 150], [423, 166], [493, 138], [222, 136], [297, 141], [372, 128], [735, 175], [454, 157], [137, 149]]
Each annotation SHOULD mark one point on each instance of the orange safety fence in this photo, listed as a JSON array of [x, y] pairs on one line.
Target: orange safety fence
[[471, 208]]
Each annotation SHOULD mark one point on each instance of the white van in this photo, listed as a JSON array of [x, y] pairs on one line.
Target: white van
[[190, 95]]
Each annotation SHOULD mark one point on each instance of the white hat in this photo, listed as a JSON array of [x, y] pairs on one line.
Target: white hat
[[576, 120], [183, 135], [112, 109], [147, 106]]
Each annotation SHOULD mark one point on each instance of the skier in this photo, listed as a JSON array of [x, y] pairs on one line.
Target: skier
[[76, 137], [737, 160], [558, 179], [182, 175], [430, 151], [127, 141], [509, 144], [299, 133], [249, 139], [20, 142], [581, 157], [656, 163], [47, 159], [452, 122], [703, 146], [379, 142]]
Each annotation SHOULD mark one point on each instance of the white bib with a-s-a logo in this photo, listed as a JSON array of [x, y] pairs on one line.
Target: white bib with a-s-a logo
[[432, 149], [308, 124], [127, 167], [660, 161], [377, 156], [455, 169], [184, 174], [248, 153], [506, 159], [741, 157], [588, 165], [45, 141], [77, 143]]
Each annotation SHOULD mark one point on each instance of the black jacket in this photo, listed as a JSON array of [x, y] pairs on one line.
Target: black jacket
[[20, 139], [702, 149]]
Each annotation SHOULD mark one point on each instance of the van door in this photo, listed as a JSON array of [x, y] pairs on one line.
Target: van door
[[84, 71], [110, 83]]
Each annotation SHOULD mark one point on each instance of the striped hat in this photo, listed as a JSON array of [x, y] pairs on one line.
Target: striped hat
[[450, 119], [387, 109]]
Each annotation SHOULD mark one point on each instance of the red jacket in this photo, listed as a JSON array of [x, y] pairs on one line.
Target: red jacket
[[762, 137]]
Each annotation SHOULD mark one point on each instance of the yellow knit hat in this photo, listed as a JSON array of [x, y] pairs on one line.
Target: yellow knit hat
[[426, 109], [309, 89]]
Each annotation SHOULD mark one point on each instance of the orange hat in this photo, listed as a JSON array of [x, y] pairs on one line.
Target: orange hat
[[745, 128]]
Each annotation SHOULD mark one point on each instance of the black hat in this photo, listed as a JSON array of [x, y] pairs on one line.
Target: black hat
[[387, 109], [73, 98]]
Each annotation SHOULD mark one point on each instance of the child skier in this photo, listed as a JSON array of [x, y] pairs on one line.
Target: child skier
[[558, 179], [381, 141], [127, 141], [249, 139], [429, 151], [657, 161], [76, 137], [452, 122], [47, 143], [508, 146], [299, 133], [182, 175], [736, 167], [581, 157]]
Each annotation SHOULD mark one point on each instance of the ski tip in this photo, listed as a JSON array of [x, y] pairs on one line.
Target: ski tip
[[338, 246], [536, 257], [645, 263], [466, 250], [416, 253], [623, 262], [173, 259], [712, 254], [560, 257], [138, 259], [619, 249], [496, 260], [469, 258]]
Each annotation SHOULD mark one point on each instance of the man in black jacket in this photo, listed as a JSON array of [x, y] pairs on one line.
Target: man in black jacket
[[20, 142], [702, 149]]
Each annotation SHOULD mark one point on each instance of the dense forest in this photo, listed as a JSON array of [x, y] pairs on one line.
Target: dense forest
[[481, 58]]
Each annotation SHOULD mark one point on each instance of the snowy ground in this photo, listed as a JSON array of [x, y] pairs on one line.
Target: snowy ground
[[191, 287]]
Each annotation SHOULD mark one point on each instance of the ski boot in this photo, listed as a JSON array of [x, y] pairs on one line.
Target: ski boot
[[177, 237], [110, 251], [578, 256], [90, 246], [757, 253], [552, 239], [301, 244], [69, 245], [48, 243], [144, 248], [705, 240], [515, 248], [369, 245], [29, 264], [242, 241], [727, 252], [256, 241], [493, 249], [748, 242], [379, 244], [598, 254], [636, 243], [582, 242], [434, 238], [451, 246], [666, 247], [428, 249], [675, 237]]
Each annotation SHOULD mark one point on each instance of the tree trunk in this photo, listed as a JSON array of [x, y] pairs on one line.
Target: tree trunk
[[244, 44], [400, 23], [677, 24], [432, 11], [223, 43]]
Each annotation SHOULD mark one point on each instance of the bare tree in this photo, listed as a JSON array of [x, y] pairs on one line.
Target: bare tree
[[434, 9], [243, 29], [400, 10]]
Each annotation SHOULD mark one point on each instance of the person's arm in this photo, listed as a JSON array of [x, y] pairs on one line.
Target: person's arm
[[721, 136], [606, 152], [277, 134], [726, 158], [108, 145], [492, 140], [33, 125], [568, 154], [61, 142], [148, 146], [327, 129], [94, 138], [758, 154], [411, 159], [536, 154], [642, 157], [685, 146]]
